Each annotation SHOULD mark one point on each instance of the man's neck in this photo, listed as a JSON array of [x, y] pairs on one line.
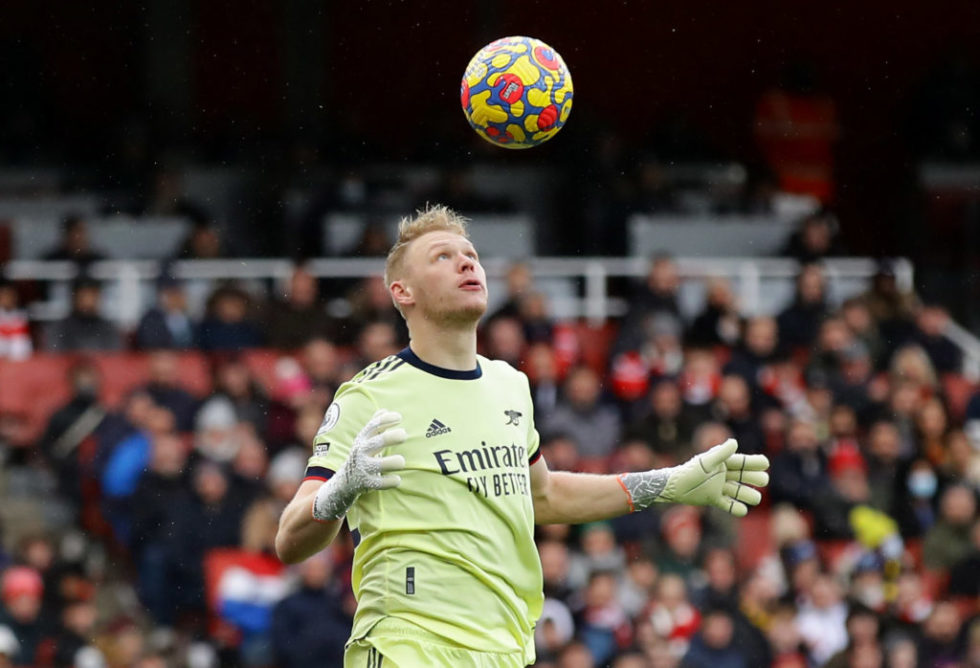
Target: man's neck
[[447, 347]]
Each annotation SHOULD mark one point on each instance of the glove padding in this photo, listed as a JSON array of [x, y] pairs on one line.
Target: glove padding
[[718, 477], [363, 470]]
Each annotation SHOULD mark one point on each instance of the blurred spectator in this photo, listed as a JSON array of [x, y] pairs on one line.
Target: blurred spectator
[[891, 308], [376, 341], [542, 372], [15, 333], [948, 541], [679, 550], [21, 590], [931, 323], [309, 627], [857, 316], [535, 318], [369, 302], [940, 644], [758, 349], [519, 281], [884, 465], [667, 428], [785, 639], [800, 321], [203, 242], [68, 442], [796, 128], [234, 382], [600, 552], [580, 412], [799, 473], [74, 246], [605, 627], [73, 640], [165, 389], [504, 340], [821, 620], [915, 507], [210, 516], [298, 315], [931, 426], [673, 617], [83, 329], [848, 489], [715, 645], [160, 491], [321, 363], [168, 324], [964, 575], [658, 296], [910, 364], [719, 322], [228, 325], [700, 380], [216, 429], [733, 407], [815, 239]]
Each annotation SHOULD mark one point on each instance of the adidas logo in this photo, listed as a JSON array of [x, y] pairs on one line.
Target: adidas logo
[[436, 428]]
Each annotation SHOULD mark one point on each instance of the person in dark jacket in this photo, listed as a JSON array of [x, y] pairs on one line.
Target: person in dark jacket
[[800, 321], [310, 627], [167, 325], [228, 325], [83, 329]]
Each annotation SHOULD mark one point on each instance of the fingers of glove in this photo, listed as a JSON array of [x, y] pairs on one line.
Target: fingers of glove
[[376, 444], [742, 493], [747, 462], [718, 454], [383, 482], [730, 505], [392, 463], [754, 478], [380, 421]]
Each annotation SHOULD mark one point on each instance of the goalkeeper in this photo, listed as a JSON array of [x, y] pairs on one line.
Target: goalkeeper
[[432, 457]]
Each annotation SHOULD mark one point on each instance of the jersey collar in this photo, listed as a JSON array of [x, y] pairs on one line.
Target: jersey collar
[[409, 356]]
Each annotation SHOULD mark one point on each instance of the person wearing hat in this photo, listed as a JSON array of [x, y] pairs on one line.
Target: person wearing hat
[[21, 592]]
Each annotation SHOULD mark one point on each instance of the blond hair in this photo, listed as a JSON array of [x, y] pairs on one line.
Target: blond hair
[[433, 218]]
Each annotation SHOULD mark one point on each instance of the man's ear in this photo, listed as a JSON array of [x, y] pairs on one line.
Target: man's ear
[[401, 293]]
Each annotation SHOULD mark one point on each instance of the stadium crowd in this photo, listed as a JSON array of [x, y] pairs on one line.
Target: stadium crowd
[[139, 532]]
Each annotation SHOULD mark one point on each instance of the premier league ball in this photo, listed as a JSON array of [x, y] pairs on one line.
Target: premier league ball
[[516, 92]]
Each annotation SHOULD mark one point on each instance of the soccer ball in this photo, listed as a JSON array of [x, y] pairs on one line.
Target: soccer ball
[[516, 92]]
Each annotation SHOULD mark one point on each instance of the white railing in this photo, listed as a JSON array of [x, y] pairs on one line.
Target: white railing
[[762, 285]]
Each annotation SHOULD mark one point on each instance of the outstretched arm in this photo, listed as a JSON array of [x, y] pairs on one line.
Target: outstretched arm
[[718, 477]]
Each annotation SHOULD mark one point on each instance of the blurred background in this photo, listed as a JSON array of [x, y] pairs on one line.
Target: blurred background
[[758, 222]]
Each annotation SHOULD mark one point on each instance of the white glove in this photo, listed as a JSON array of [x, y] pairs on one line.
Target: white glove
[[363, 469], [718, 477]]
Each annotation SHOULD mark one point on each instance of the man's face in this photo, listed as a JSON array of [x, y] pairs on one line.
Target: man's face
[[442, 279]]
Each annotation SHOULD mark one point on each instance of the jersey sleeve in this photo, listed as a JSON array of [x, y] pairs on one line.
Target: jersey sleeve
[[351, 409]]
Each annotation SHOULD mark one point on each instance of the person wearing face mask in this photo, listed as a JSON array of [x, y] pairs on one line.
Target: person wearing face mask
[[914, 499]]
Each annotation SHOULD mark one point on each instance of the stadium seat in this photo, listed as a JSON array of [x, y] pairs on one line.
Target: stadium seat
[[34, 388], [262, 364]]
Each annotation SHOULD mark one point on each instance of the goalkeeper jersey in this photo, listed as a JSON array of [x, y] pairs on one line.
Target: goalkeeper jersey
[[452, 548]]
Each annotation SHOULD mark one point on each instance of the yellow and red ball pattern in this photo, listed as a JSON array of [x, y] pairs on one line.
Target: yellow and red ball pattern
[[516, 92]]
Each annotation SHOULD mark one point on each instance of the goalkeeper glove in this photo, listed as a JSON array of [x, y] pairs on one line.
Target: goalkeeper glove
[[363, 469], [718, 477]]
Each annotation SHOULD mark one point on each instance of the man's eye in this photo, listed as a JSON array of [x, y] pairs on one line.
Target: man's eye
[[442, 256]]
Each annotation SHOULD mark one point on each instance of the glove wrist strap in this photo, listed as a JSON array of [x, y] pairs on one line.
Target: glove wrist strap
[[645, 488], [334, 498]]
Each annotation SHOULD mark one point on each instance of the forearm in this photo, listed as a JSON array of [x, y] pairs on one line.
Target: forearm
[[573, 498], [300, 535]]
